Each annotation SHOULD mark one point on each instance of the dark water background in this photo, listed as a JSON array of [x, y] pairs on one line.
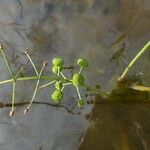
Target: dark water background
[[72, 29]]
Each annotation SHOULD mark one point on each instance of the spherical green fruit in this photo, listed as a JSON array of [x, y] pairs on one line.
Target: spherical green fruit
[[82, 63], [58, 85], [56, 68], [80, 103], [58, 61], [57, 96], [78, 79]]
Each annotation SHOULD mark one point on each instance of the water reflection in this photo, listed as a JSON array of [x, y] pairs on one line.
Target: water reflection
[[71, 29], [118, 127]]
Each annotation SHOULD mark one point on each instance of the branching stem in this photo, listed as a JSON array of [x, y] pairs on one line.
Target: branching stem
[[36, 88]]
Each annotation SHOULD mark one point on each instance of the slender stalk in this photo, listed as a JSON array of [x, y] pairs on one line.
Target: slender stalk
[[27, 78], [35, 77], [13, 99], [80, 70], [97, 91], [63, 87], [13, 80], [36, 88], [13, 95], [6, 62], [32, 63], [6, 81], [63, 75], [45, 85], [58, 71], [78, 92], [67, 83], [146, 47], [17, 74]]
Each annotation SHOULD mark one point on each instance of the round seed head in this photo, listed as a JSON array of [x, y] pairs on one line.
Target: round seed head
[[58, 61], [82, 63], [78, 79], [80, 103], [56, 68], [57, 96], [58, 85]]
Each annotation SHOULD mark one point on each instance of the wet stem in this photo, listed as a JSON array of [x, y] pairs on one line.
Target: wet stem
[[37, 86], [13, 79], [78, 92], [146, 47]]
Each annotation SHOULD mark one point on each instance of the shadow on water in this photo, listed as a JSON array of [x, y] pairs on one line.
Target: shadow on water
[[119, 122], [107, 33]]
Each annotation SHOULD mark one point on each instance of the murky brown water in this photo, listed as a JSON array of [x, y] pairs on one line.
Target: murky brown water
[[107, 33]]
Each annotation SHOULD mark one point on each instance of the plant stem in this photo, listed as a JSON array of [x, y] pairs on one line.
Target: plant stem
[[13, 80], [67, 83], [78, 92], [63, 75], [146, 47], [6, 62], [6, 81], [45, 85], [63, 87], [27, 78], [13, 95], [36, 88], [80, 70], [32, 63], [97, 91], [58, 71]]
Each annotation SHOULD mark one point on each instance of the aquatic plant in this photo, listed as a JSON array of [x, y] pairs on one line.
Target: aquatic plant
[[128, 68], [59, 80]]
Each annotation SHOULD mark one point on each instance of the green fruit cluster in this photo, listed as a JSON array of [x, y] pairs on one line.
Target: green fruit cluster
[[57, 96], [82, 63], [77, 80], [57, 65]]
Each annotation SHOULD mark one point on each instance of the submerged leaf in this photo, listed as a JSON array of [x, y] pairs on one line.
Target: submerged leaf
[[117, 54], [119, 39], [140, 88]]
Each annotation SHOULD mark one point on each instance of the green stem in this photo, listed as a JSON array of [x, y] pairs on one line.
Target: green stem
[[63, 75], [32, 63], [134, 60], [80, 70], [63, 87], [6, 81], [13, 95], [17, 74], [58, 71], [27, 78], [45, 85], [36, 88], [35, 77], [7, 62], [78, 92], [96, 91], [67, 83]]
